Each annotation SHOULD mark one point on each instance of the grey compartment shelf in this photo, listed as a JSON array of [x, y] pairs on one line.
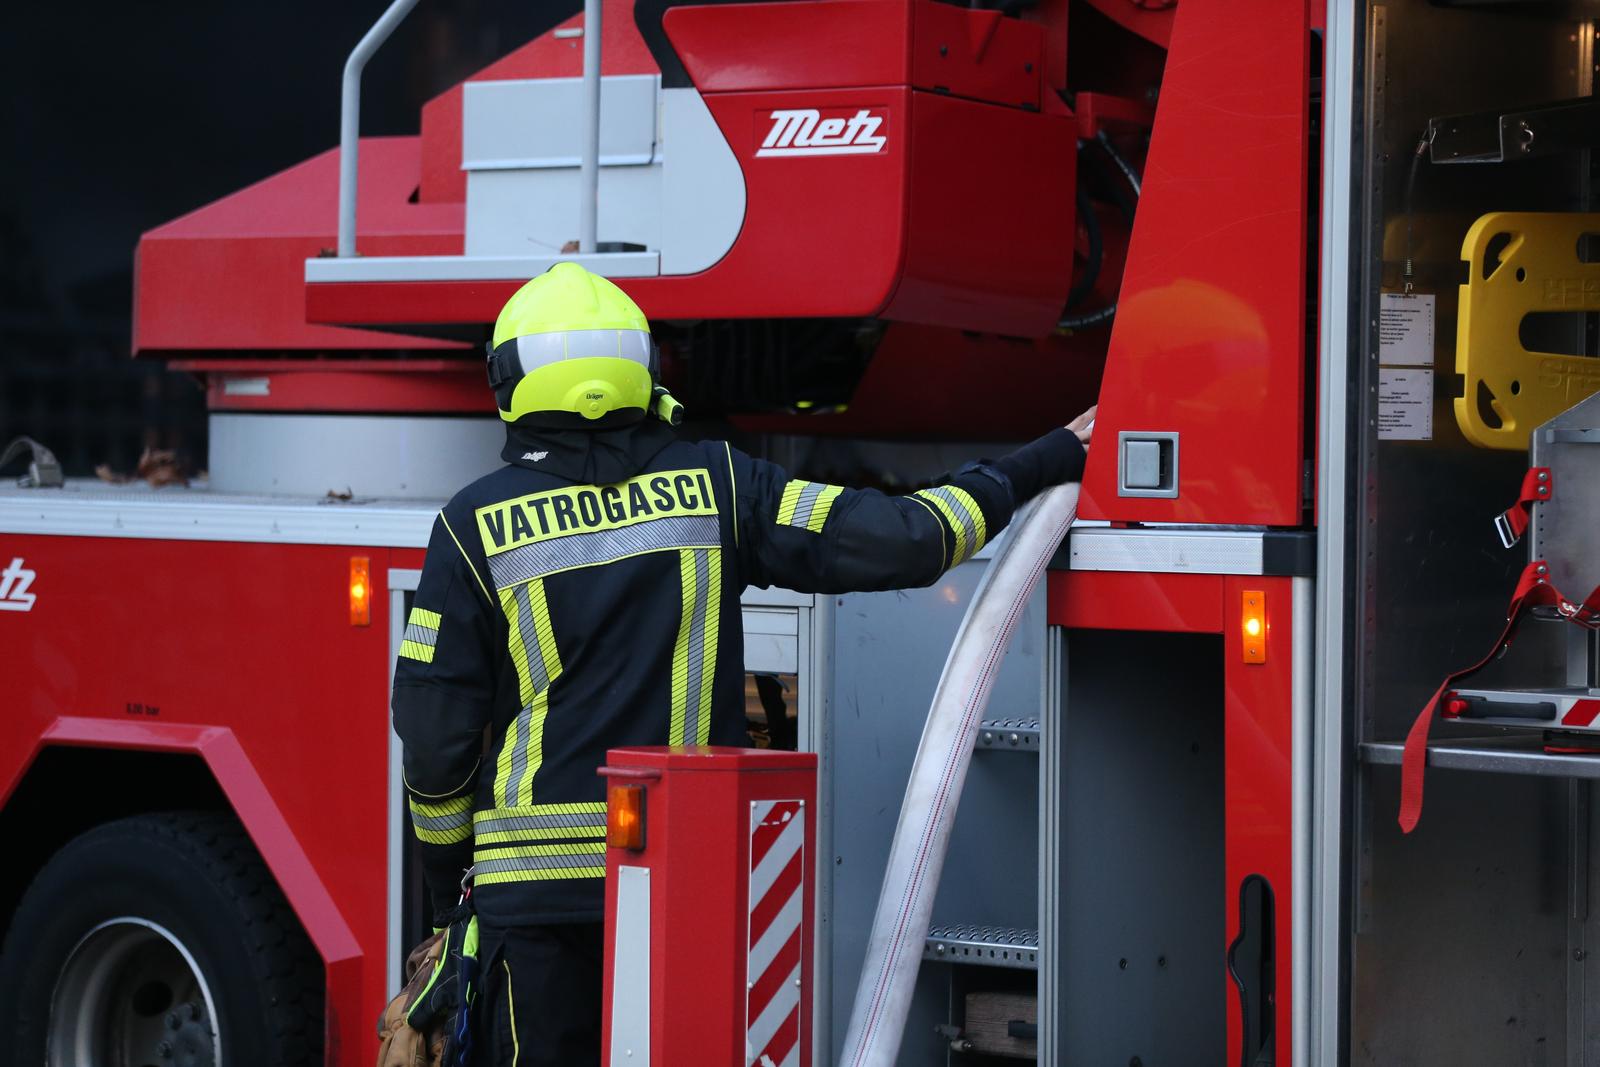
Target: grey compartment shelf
[[1511, 755]]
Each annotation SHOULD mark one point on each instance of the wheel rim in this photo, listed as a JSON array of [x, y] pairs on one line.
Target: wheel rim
[[131, 995]]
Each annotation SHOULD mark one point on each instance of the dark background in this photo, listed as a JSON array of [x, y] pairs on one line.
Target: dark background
[[116, 118]]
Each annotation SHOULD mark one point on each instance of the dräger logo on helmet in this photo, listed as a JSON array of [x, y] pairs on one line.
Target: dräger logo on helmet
[[804, 132]]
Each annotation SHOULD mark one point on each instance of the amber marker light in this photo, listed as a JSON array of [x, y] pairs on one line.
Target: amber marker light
[[625, 817], [1253, 625], [360, 591]]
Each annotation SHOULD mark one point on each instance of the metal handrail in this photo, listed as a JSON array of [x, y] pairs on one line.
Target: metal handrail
[[350, 118], [589, 174], [350, 124]]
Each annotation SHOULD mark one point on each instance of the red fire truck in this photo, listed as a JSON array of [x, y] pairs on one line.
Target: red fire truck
[[1329, 269]]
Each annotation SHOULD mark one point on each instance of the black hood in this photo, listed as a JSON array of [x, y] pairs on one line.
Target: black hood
[[600, 456]]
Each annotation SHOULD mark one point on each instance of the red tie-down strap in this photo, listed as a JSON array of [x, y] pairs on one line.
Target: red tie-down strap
[[1512, 523], [1533, 589]]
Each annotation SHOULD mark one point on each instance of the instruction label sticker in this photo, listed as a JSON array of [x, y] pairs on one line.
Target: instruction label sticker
[[1405, 329], [1405, 404]]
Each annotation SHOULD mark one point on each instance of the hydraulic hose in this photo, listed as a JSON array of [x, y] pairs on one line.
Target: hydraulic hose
[[1093, 318], [922, 836], [1091, 271]]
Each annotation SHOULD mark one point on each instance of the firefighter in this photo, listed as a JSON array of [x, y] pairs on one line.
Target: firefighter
[[585, 596]]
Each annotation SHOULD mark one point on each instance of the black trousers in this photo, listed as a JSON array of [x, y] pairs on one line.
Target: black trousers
[[541, 995]]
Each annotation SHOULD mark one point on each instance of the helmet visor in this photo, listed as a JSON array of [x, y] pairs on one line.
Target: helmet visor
[[520, 356]]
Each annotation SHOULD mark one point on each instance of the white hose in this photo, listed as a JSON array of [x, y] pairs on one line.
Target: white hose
[[894, 952]]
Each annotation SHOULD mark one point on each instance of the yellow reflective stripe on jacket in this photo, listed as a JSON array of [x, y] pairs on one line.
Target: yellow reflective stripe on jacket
[[791, 497], [532, 645], [421, 635], [444, 823], [539, 822], [965, 517], [414, 650], [805, 505], [820, 510], [694, 654], [530, 863]]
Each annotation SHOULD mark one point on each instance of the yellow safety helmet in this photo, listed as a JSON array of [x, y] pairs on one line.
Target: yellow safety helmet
[[571, 341]]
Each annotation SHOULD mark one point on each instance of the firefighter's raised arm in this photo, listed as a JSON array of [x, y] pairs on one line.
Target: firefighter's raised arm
[[443, 693], [818, 538]]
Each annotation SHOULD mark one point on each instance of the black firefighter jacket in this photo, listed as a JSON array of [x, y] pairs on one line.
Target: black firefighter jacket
[[565, 618]]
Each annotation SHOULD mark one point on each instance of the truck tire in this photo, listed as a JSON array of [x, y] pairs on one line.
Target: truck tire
[[158, 941]]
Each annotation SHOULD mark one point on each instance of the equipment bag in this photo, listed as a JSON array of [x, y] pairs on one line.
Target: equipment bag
[[428, 1024]]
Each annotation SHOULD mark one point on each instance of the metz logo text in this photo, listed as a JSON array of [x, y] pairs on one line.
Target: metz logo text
[[804, 132], [14, 583]]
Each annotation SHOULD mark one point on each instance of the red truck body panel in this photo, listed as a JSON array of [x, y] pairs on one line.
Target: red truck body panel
[[274, 689]]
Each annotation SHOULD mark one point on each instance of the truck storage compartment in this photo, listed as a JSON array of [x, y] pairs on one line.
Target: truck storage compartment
[[1479, 291]]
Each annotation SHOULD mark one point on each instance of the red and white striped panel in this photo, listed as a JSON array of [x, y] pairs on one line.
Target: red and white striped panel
[[777, 904]]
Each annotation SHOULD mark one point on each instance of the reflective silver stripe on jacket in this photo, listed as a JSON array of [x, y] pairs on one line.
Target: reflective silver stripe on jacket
[[807, 501], [538, 863], [962, 512], [422, 635], [496, 824], [603, 546], [453, 821], [697, 647]]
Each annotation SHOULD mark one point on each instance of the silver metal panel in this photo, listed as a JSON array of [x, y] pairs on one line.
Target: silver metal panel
[[888, 649], [91, 509], [1052, 1012], [1300, 822], [1342, 135], [1463, 957], [1139, 927], [401, 581], [477, 268], [1563, 529], [395, 824], [518, 212], [391, 456], [772, 640], [1164, 549], [815, 723], [630, 982], [539, 122], [776, 598], [702, 186]]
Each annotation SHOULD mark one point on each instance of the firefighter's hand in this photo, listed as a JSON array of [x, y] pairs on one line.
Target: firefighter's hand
[[1083, 425]]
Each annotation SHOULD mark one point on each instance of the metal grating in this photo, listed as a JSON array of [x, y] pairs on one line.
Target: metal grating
[[988, 946]]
